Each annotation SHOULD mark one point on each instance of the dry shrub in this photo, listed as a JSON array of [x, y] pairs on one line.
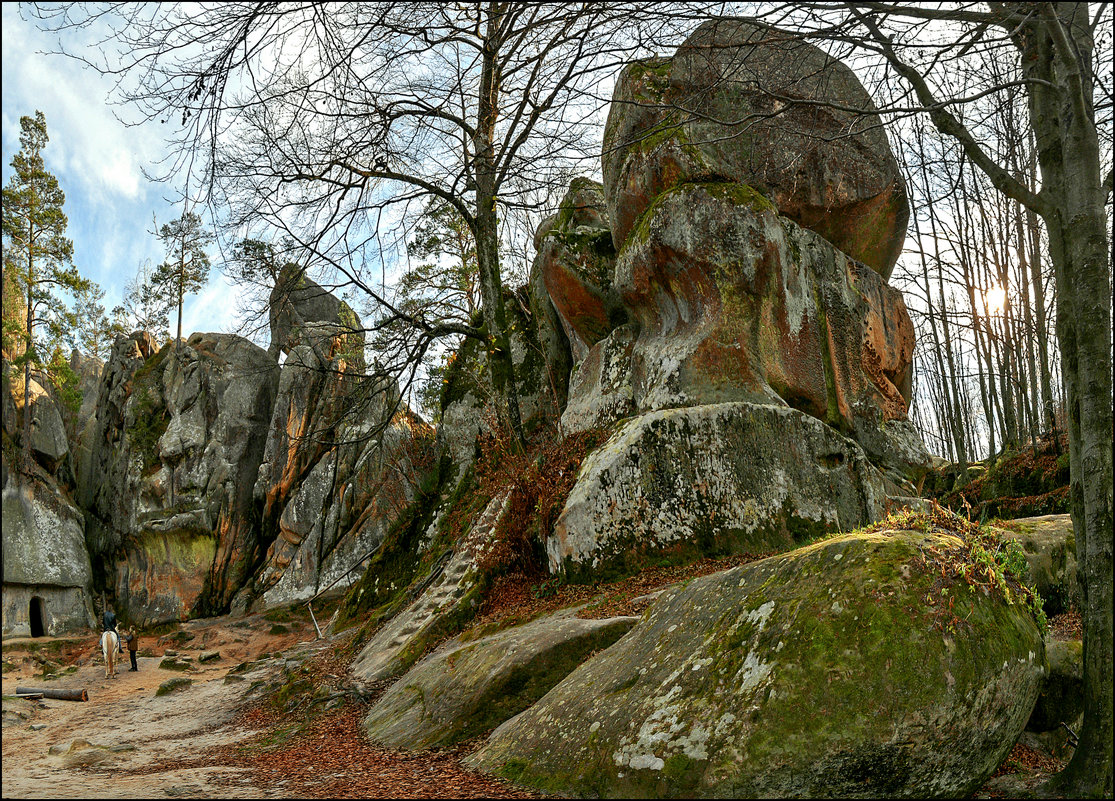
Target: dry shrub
[[540, 479]]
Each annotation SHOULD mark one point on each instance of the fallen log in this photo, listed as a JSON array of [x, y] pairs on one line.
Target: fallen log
[[56, 694]]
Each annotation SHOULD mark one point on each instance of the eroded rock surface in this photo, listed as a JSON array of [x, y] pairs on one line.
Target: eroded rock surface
[[577, 262], [736, 303], [172, 464], [742, 103], [450, 592], [822, 672], [724, 478], [465, 688]]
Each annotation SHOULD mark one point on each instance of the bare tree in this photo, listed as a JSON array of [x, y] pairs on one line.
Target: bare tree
[[327, 123]]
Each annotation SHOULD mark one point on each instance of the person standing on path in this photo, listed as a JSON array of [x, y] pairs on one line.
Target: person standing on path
[[132, 636]]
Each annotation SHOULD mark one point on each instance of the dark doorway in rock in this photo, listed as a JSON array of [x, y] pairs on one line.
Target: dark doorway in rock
[[37, 614]]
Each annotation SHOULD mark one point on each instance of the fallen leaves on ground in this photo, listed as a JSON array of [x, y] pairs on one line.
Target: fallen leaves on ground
[[1067, 626]]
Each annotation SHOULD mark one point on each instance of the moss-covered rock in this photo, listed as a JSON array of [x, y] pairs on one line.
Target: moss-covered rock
[[679, 484], [709, 112], [1050, 548], [855, 667], [1061, 699], [173, 685], [443, 602], [464, 689]]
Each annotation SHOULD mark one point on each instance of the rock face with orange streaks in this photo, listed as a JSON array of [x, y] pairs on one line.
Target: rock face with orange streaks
[[577, 262], [336, 469], [761, 107], [178, 441], [754, 243]]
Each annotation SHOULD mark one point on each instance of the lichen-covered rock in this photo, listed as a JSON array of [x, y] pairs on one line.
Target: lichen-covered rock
[[743, 103], [823, 672], [725, 478], [1061, 699], [735, 303], [466, 688], [1050, 547], [179, 439], [600, 388], [577, 262]]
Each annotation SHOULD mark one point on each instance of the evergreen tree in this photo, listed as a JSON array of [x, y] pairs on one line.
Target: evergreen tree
[[38, 260], [186, 269]]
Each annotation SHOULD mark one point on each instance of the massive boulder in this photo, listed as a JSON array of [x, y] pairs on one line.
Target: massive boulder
[[467, 687], [1049, 544], [179, 438], [705, 480], [835, 670], [761, 107]]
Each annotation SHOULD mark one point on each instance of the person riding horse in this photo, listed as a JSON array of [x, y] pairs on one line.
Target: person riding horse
[[108, 623]]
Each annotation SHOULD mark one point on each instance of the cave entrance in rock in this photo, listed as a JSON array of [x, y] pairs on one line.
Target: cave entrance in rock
[[36, 615]]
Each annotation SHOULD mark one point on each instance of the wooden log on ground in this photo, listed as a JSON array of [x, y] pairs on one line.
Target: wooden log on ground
[[56, 694]]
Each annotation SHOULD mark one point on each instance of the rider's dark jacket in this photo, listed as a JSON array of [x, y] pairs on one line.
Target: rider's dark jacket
[[109, 623]]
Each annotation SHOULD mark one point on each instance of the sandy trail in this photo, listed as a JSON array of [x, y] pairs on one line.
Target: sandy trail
[[70, 749]]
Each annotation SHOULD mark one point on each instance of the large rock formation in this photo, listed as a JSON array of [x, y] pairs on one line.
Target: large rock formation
[[47, 583], [730, 227], [761, 107], [830, 671], [465, 688], [296, 301], [179, 438], [336, 473]]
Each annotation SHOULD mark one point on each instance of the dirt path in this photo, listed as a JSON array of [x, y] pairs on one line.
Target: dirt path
[[67, 749]]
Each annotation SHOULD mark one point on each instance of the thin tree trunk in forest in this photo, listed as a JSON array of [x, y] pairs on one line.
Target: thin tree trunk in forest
[[1041, 322], [969, 284], [1024, 290]]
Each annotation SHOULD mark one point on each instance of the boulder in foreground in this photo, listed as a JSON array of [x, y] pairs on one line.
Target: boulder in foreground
[[837, 670]]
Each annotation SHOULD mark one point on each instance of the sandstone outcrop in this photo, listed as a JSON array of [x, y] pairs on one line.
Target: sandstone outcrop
[[296, 303], [576, 259], [179, 438], [465, 688], [47, 573], [703, 480], [760, 107], [824, 672]]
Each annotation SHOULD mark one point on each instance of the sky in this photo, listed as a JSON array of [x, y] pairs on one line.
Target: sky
[[99, 164]]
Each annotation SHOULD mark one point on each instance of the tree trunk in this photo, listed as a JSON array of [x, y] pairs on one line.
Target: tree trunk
[[500, 360], [1058, 51]]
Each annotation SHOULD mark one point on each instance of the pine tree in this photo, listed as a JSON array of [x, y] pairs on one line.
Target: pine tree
[[186, 269], [38, 259]]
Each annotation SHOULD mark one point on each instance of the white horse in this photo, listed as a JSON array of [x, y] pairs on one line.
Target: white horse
[[110, 645]]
